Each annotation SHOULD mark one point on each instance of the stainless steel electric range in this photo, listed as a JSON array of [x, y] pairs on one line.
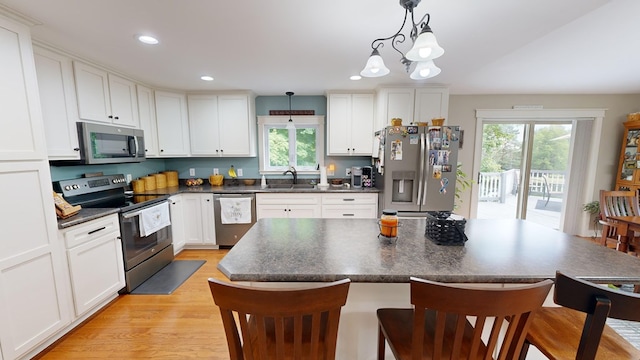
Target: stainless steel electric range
[[143, 255]]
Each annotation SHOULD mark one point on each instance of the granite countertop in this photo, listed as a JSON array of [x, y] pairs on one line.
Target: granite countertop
[[90, 214], [498, 251], [85, 215], [242, 189]]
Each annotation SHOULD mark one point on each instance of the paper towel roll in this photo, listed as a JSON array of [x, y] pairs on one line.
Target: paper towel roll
[[323, 175]]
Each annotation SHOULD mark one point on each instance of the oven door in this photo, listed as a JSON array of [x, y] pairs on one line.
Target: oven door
[[138, 248]]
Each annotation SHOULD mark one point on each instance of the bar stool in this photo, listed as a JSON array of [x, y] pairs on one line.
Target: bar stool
[[280, 323], [566, 333], [438, 326]]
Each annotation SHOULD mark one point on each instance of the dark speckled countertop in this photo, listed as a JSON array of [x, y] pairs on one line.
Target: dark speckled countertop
[[498, 251], [90, 214]]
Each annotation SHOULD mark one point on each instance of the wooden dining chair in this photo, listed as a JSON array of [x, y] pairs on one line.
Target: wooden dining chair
[[578, 329], [439, 327], [269, 323], [615, 203]]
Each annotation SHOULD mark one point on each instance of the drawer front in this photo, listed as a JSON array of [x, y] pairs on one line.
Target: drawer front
[[349, 212], [349, 199], [289, 199], [88, 231]]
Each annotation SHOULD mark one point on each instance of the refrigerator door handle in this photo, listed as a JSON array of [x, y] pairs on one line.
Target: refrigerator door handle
[[421, 176], [425, 175]]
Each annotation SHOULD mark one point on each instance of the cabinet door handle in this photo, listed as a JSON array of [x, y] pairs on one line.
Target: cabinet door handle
[[76, 149], [348, 199], [161, 150], [348, 214], [115, 117], [110, 116], [96, 230]]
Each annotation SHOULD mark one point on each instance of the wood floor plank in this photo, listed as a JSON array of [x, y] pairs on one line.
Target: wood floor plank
[[183, 325]]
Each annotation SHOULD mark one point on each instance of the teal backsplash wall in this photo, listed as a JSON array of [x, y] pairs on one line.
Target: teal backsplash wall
[[204, 166]]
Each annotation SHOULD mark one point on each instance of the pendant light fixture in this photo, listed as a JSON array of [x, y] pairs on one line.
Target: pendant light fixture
[[425, 48], [290, 124]]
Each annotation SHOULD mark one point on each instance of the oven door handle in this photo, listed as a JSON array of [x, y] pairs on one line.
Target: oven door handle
[[131, 214]]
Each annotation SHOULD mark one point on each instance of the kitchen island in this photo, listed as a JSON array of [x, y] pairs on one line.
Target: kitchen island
[[291, 252]]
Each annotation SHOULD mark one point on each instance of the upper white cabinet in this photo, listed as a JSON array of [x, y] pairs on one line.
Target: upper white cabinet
[[222, 125], [105, 97], [350, 124], [172, 122], [58, 102], [19, 98], [411, 105], [147, 113]]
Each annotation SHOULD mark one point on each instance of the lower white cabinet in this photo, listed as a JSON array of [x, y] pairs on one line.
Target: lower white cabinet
[[94, 256], [350, 205], [177, 223], [290, 205], [199, 224]]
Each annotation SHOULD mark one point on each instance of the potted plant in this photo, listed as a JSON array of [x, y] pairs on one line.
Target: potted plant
[[462, 183], [593, 209]]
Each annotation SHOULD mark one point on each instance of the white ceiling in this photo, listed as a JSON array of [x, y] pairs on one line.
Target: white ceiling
[[305, 46]]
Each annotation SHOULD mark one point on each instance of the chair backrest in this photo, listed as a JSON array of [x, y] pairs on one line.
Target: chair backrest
[[280, 323], [598, 302], [496, 308], [618, 203]]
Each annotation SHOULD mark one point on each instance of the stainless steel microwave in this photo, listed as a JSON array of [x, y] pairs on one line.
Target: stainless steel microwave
[[106, 144]]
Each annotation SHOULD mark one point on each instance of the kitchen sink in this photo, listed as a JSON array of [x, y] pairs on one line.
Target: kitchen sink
[[290, 186]]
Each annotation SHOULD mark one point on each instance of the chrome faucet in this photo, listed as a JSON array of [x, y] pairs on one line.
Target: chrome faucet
[[293, 172]]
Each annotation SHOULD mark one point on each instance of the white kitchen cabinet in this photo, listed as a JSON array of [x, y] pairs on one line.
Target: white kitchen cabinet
[[105, 97], [411, 105], [58, 102], [147, 115], [94, 255], [349, 205], [177, 223], [199, 223], [222, 125], [172, 124], [34, 292], [350, 124], [288, 205]]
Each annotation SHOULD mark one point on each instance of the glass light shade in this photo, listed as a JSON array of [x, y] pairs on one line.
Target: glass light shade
[[375, 66], [425, 70], [425, 48], [290, 125]]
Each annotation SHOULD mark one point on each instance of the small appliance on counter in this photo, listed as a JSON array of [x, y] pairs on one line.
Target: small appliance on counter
[[356, 177], [367, 177]]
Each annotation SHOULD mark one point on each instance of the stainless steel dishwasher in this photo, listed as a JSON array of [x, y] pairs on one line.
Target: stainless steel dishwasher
[[229, 234]]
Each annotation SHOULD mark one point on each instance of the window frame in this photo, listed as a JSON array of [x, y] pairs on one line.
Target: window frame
[[267, 122]]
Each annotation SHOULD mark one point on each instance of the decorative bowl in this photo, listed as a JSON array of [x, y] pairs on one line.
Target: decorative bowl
[[249, 181]]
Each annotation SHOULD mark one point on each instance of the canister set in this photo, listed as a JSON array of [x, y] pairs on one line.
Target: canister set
[[155, 181]]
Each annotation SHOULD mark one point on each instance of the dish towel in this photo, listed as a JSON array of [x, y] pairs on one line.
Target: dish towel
[[235, 210], [154, 218]]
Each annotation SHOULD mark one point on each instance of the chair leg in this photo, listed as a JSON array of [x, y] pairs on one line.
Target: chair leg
[[381, 341], [524, 351]]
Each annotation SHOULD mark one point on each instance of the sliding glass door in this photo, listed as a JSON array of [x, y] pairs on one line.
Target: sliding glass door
[[524, 171]]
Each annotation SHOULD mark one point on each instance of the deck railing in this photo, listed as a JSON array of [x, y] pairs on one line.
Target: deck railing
[[495, 186]]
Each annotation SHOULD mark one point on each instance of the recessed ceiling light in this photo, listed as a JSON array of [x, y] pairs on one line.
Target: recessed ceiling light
[[206, 78], [355, 77], [148, 39]]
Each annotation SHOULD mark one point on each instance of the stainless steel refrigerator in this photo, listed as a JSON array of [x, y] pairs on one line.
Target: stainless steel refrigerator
[[416, 168]]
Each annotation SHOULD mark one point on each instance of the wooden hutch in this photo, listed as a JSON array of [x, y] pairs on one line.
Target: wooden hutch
[[628, 176]]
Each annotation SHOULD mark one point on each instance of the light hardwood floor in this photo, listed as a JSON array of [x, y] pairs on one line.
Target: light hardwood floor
[[183, 325]]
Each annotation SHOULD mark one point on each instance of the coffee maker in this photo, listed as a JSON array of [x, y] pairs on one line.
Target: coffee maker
[[356, 177]]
